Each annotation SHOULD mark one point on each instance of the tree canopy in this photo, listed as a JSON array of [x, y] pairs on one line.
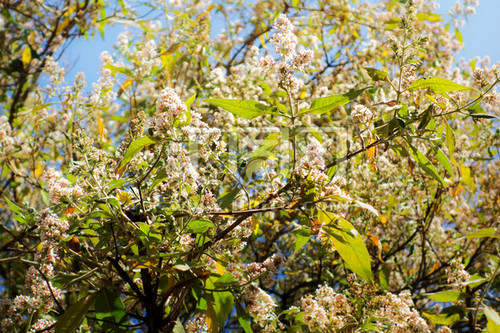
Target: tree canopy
[[256, 166]]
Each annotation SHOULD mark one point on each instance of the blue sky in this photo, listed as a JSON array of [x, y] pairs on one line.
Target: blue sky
[[481, 36]]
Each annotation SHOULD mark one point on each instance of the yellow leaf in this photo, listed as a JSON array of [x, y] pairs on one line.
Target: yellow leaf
[[375, 241], [372, 154], [261, 37], [63, 25], [100, 126], [211, 317], [467, 177], [127, 83], [383, 219], [38, 170], [147, 264], [122, 196], [220, 269], [26, 57], [434, 267], [255, 224]]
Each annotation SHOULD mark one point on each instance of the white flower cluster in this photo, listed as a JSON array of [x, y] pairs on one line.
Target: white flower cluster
[[285, 44], [398, 312], [284, 40], [312, 163], [326, 310], [42, 325], [7, 140], [169, 107], [56, 73], [42, 290], [259, 305], [59, 187], [52, 227], [102, 91], [147, 58], [198, 324], [361, 114], [457, 275]]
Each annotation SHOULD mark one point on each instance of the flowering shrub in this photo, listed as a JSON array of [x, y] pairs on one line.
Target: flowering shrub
[[272, 166]]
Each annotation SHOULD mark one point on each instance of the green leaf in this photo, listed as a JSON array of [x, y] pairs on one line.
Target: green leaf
[[483, 233], [190, 101], [493, 320], [448, 316], [227, 199], [366, 206], [450, 142], [303, 235], [383, 277], [225, 281], [389, 127], [223, 305], [458, 36], [72, 318], [178, 327], [425, 164], [446, 296], [437, 84], [349, 245], [135, 147], [262, 154], [243, 318], [121, 70], [15, 208], [443, 159], [376, 74], [426, 118], [144, 228], [483, 116], [211, 315], [199, 226], [110, 311], [431, 17], [245, 109], [325, 104]]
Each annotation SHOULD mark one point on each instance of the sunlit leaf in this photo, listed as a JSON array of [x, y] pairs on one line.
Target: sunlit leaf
[[325, 104], [262, 153], [493, 320], [483, 233], [376, 74], [425, 164], [467, 177], [199, 226], [372, 154], [211, 316], [349, 245], [303, 235], [448, 316], [245, 109], [446, 296], [135, 147], [458, 35], [438, 85], [26, 56], [443, 160], [450, 141]]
